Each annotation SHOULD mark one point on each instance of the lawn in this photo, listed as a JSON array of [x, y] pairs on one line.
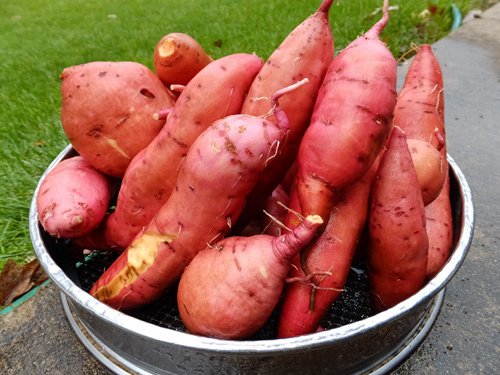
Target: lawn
[[38, 38]]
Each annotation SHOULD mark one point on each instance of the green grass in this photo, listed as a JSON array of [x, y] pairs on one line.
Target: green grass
[[38, 38]]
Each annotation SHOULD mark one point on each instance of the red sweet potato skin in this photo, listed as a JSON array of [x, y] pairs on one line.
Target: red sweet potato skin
[[419, 109], [420, 112], [350, 123], [329, 258], [73, 198], [217, 91], [247, 271], [230, 290], [439, 227], [305, 53], [398, 239], [219, 171], [107, 111], [431, 167], [178, 57]]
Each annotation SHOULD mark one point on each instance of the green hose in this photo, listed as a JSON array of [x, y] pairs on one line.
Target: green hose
[[24, 298], [457, 17]]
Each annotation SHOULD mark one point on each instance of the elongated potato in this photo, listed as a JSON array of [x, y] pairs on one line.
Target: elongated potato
[[350, 122], [419, 108], [306, 52], [320, 272], [398, 239], [216, 92], [420, 113]]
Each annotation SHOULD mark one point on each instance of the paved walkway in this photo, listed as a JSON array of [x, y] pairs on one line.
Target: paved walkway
[[37, 339]]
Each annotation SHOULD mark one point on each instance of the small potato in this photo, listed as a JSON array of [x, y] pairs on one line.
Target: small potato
[[429, 164], [73, 198], [178, 57]]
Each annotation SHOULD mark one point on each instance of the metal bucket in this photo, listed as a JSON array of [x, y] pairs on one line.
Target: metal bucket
[[152, 340]]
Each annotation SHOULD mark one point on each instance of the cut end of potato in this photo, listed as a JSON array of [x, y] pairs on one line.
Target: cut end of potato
[[166, 48], [314, 219]]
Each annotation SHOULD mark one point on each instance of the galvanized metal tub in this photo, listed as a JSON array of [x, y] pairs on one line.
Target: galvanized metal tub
[[140, 342]]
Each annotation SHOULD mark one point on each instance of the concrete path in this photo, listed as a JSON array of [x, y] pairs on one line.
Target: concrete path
[[37, 339]]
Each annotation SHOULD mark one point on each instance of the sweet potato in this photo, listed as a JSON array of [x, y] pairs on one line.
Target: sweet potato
[[420, 113], [229, 291], [178, 57], [107, 111], [306, 52], [430, 166], [439, 226], [419, 108], [320, 272], [73, 198], [398, 239], [217, 174], [217, 91], [350, 123]]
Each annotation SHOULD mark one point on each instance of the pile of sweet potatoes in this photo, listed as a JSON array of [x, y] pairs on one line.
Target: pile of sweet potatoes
[[251, 185]]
